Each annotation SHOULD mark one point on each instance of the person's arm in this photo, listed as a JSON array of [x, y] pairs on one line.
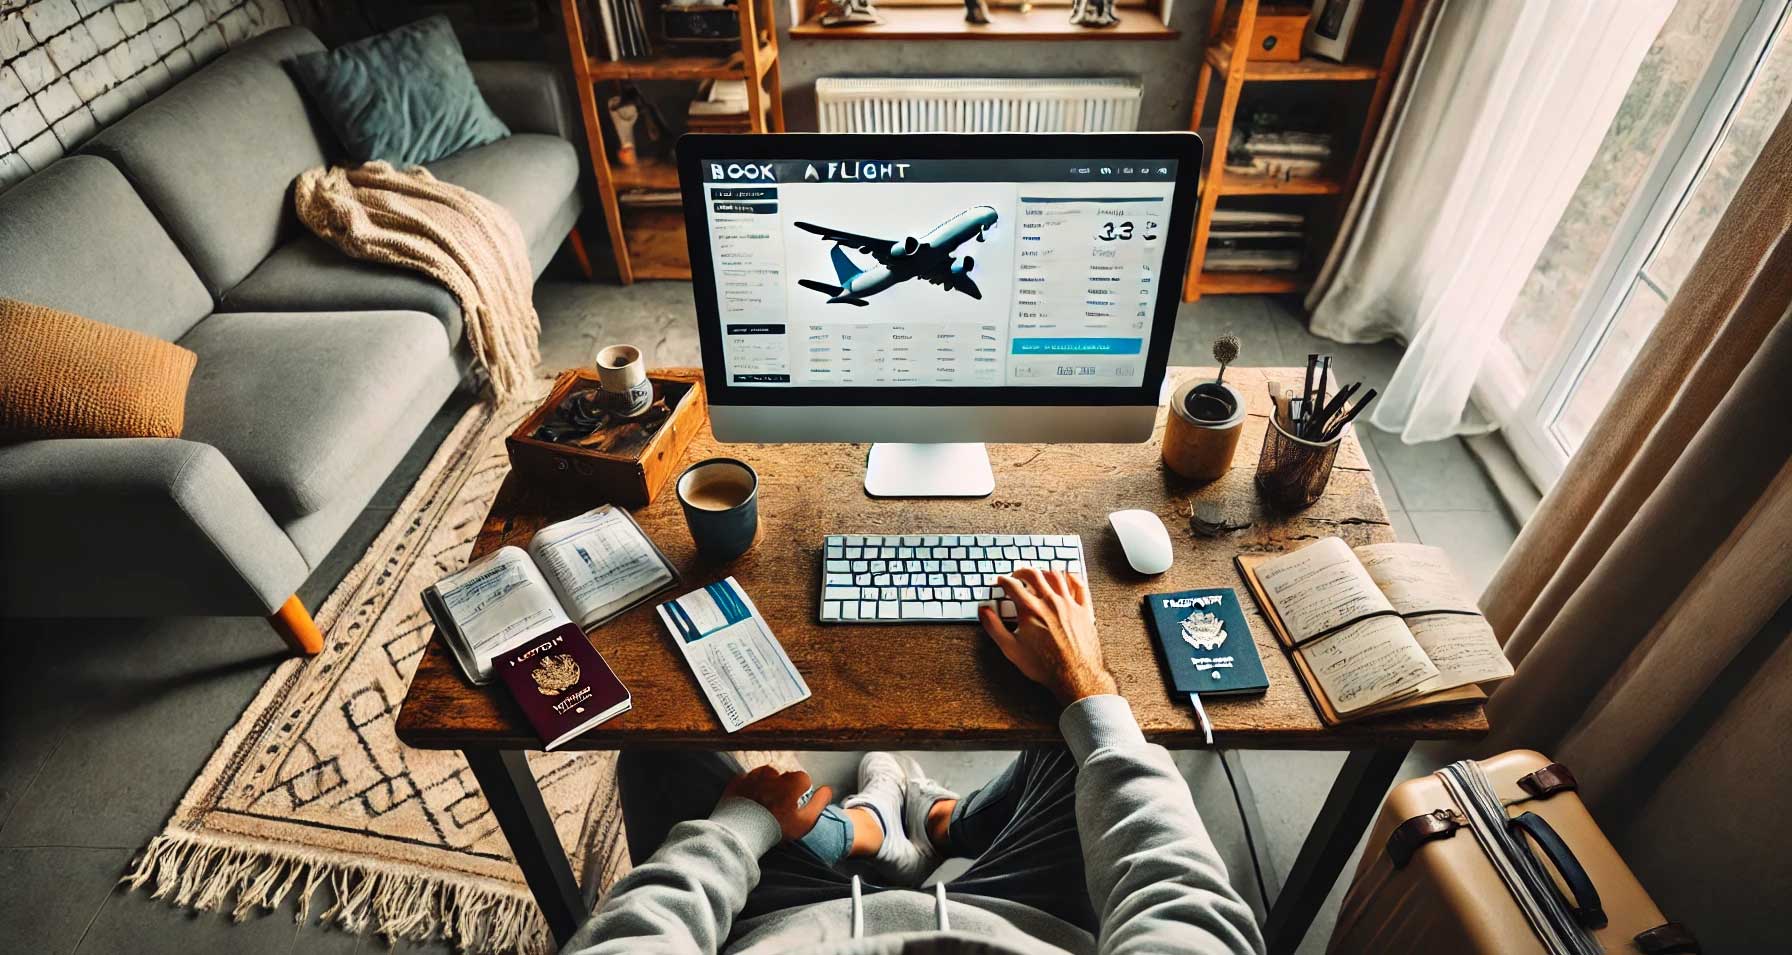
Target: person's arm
[[1153, 875], [684, 898]]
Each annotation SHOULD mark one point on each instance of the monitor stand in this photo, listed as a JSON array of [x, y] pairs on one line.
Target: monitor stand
[[928, 470]]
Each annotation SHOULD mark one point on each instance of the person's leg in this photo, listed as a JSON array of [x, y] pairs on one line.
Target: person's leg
[[802, 872], [972, 823], [1021, 828], [662, 788]]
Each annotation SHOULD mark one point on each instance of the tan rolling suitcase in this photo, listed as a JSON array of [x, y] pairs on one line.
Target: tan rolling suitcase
[[1426, 882]]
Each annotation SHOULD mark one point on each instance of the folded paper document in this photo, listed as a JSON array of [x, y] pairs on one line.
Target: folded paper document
[[731, 651]]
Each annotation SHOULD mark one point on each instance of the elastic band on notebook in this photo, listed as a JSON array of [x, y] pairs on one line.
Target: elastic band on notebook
[[1321, 635]]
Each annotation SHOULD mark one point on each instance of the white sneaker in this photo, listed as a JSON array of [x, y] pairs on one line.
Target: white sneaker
[[917, 800], [882, 787]]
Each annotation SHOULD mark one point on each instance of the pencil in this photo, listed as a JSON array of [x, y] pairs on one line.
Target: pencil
[[1306, 390], [1325, 370], [1368, 396], [1336, 405]]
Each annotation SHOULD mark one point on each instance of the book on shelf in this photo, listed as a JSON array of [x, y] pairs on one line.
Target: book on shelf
[[1251, 260], [1254, 240], [1260, 148], [1255, 219], [606, 30], [584, 571], [721, 107], [650, 197], [1289, 143], [1378, 629], [1275, 167], [622, 26], [1266, 241]]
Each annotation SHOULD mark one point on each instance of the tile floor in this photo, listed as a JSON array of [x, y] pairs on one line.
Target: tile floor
[[103, 724]]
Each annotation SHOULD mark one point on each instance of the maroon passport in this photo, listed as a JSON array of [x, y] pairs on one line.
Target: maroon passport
[[562, 683]]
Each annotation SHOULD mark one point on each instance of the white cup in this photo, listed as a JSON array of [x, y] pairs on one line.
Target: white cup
[[622, 380]]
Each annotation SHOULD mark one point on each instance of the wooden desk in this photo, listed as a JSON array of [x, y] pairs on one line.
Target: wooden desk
[[943, 685]]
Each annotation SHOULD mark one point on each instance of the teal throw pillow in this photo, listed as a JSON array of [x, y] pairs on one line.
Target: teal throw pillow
[[406, 97]]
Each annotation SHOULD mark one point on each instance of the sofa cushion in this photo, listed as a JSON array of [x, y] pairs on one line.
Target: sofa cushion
[[404, 96], [533, 176], [530, 97], [76, 237], [64, 376], [297, 401], [310, 274], [215, 156]]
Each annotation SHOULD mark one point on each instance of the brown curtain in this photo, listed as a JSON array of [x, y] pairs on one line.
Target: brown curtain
[[1643, 603]]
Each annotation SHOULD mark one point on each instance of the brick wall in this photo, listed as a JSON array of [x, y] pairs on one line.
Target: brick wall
[[69, 67]]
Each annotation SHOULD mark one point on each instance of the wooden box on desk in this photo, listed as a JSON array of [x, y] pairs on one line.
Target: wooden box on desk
[[632, 475], [1276, 35]]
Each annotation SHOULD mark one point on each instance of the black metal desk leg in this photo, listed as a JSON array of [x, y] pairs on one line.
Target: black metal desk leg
[[1349, 807], [510, 790]]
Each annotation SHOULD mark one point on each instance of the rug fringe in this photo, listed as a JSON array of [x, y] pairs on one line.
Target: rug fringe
[[202, 874]]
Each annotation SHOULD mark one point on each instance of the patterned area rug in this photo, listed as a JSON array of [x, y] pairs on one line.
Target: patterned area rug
[[312, 787]]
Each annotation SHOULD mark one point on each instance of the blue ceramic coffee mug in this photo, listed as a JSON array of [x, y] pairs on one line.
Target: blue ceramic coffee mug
[[720, 497]]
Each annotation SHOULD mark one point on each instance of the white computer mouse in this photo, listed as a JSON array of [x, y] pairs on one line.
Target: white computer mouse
[[1144, 539]]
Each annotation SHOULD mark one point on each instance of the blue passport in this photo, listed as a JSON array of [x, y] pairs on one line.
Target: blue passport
[[1205, 644]]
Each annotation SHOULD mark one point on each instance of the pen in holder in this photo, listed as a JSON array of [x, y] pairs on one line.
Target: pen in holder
[[1292, 472]]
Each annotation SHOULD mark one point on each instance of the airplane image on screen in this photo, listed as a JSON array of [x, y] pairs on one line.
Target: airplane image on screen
[[930, 257]]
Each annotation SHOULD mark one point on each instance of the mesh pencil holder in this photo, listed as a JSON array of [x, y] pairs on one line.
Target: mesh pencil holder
[[1292, 472]]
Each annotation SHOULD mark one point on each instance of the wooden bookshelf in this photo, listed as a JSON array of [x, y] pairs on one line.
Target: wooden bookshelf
[[648, 240], [1254, 283], [648, 173], [1309, 69], [1227, 69], [1240, 184], [1006, 23]]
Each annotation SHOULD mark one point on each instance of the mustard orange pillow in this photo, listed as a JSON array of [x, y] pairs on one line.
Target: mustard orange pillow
[[64, 376]]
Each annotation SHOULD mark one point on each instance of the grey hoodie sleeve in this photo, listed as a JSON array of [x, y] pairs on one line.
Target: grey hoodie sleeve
[[1154, 878], [684, 899]]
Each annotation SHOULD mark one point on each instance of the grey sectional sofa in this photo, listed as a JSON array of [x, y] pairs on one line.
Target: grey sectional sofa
[[315, 374]]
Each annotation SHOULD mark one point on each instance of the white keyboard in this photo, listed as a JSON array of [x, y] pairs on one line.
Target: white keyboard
[[911, 577]]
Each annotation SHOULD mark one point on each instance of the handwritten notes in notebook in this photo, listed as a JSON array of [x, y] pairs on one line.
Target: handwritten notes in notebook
[[1439, 609], [1359, 649]]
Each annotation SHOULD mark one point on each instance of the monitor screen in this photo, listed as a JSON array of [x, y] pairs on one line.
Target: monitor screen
[[935, 271]]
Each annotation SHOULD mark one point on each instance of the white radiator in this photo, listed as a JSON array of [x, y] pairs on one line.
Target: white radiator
[[897, 105]]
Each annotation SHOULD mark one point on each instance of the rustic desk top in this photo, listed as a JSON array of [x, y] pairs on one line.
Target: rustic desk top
[[919, 686]]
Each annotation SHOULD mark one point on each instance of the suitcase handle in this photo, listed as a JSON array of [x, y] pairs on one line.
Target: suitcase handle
[[1587, 909]]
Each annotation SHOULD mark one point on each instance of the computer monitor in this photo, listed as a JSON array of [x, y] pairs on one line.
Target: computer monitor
[[928, 292]]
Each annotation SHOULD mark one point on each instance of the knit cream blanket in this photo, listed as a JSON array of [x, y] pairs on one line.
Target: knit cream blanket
[[472, 245]]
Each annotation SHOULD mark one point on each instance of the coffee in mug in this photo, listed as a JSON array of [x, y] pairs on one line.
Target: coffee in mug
[[720, 497], [623, 388], [718, 490]]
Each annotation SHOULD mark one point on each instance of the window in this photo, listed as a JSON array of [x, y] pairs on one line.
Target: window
[[1705, 99]]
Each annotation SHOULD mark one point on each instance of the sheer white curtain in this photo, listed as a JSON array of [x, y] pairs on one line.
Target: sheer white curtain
[[1495, 118]]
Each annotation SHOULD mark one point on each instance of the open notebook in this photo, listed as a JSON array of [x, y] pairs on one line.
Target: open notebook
[[584, 570], [1377, 629]]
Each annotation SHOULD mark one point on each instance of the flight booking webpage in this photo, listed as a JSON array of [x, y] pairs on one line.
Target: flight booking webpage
[[954, 273]]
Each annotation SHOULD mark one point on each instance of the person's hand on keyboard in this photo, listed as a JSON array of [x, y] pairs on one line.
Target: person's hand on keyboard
[[1053, 641]]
